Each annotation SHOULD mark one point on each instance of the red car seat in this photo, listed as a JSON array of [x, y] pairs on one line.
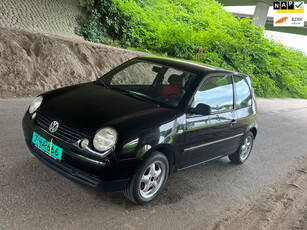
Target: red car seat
[[175, 87]]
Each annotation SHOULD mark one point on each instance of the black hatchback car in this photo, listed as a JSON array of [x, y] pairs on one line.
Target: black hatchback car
[[142, 121]]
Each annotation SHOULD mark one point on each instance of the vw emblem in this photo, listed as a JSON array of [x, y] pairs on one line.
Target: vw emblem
[[53, 126]]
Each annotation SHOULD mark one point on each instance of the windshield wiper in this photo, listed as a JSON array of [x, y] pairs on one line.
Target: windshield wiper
[[102, 83], [142, 98]]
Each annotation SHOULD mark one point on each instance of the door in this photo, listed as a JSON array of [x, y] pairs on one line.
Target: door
[[214, 135]]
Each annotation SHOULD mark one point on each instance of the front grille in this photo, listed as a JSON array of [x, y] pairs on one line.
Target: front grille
[[62, 132]]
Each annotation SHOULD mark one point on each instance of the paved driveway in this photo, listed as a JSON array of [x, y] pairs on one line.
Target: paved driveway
[[32, 196]]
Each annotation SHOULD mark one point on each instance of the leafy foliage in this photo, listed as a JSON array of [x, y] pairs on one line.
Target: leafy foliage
[[202, 31]]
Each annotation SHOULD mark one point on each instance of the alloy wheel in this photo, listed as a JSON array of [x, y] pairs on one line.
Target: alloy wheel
[[152, 179], [246, 148]]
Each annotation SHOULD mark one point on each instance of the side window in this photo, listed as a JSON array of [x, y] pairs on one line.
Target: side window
[[243, 93], [216, 92]]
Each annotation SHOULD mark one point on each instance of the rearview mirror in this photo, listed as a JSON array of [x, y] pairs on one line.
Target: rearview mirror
[[202, 109], [157, 69]]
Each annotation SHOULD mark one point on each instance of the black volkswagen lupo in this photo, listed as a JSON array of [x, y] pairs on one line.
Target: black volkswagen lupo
[[140, 122]]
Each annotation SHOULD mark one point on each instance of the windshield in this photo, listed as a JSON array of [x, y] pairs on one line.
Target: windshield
[[150, 82]]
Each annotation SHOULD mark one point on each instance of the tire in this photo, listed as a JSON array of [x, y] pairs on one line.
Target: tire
[[243, 152], [148, 180]]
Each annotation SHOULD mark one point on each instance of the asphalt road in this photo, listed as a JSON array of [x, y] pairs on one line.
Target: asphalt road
[[32, 196]]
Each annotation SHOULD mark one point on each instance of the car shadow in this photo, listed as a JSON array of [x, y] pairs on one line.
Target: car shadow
[[180, 185]]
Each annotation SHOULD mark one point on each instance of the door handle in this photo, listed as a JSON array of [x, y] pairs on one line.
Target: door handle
[[233, 122]]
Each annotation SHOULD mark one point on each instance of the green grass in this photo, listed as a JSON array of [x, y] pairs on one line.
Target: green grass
[[201, 31]]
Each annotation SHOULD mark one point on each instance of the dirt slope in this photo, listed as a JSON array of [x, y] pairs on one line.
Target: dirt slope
[[282, 206], [31, 63]]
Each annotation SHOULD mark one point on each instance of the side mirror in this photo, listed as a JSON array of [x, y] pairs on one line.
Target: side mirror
[[202, 109]]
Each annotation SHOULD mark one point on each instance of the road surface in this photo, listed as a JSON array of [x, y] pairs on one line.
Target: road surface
[[32, 196]]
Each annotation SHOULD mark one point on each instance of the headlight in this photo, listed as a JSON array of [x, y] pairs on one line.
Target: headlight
[[105, 139], [35, 104]]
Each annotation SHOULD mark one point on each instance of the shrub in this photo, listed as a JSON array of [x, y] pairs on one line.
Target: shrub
[[198, 30]]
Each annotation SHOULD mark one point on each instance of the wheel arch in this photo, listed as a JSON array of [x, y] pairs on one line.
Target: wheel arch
[[254, 131], [168, 151]]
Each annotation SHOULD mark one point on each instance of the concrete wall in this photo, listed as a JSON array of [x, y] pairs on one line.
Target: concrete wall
[[57, 17]]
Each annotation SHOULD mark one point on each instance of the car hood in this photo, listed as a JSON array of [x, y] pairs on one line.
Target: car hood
[[87, 107]]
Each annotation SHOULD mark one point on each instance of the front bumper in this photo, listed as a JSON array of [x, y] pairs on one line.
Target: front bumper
[[76, 175], [98, 174]]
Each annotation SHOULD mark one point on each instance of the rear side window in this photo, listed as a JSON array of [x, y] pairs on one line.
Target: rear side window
[[216, 92], [244, 98]]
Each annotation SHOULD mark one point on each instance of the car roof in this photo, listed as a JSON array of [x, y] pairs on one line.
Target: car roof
[[187, 65]]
